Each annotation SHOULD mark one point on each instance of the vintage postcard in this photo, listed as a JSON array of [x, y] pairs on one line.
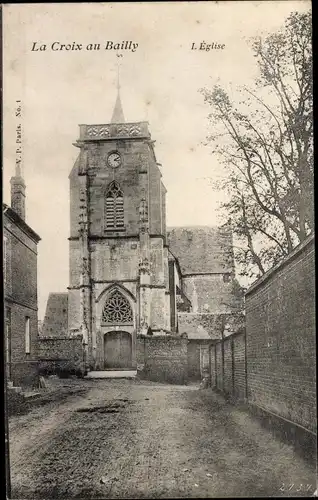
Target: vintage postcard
[[158, 250]]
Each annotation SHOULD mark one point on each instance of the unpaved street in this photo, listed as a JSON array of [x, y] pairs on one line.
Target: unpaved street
[[132, 439]]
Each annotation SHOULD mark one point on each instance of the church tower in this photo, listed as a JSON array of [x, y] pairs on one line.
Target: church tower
[[119, 284]]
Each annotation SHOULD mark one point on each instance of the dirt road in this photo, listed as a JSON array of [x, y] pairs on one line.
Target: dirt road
[[131, 439]]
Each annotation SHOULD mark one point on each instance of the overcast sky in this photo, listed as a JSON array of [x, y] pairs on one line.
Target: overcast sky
[[159, 83]]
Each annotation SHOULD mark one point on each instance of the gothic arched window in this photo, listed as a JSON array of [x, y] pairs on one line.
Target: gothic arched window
[[114, 208], [117, 310]]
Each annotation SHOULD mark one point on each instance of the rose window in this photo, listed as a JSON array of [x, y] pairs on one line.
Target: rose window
[[117, 310]]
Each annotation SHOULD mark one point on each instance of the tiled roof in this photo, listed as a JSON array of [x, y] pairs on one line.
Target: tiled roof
[[201, 249], [56, 316], [18, 221]]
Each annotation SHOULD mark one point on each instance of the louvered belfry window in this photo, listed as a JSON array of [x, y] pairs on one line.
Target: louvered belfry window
[[114, 207], [117, 310]]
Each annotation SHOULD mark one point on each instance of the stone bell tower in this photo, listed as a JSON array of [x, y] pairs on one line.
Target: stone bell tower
[[119, 284]]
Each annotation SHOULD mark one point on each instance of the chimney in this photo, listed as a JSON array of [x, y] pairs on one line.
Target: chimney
[[18, 193]]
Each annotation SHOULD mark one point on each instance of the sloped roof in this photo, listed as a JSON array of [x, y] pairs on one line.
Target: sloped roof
[[56, 316], [199, 334], [201, 249], [200, 326], [16, 219]]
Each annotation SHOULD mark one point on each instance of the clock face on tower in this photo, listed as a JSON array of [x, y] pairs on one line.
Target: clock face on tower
[[114, 160]]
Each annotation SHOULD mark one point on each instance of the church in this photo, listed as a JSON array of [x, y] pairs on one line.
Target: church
[[130, 276]]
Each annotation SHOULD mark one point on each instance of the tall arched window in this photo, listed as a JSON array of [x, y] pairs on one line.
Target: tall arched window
[[114, 207], [117, 310]]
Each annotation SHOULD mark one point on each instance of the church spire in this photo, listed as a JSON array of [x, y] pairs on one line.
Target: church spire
[[118, 114]]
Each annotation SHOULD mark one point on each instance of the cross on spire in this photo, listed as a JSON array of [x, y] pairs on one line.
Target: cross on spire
[[118, 114]]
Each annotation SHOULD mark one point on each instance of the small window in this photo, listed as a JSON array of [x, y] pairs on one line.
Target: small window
[[226, 277], [27, 335]]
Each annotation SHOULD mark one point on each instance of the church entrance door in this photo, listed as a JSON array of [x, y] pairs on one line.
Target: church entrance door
[[117, 350]]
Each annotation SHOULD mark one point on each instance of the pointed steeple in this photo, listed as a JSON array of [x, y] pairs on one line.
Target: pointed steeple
[[118, 114]]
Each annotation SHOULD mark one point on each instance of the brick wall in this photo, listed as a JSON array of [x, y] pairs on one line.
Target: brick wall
[[213, 366], [228, 373], [240, 376], [21, 265], [24, 273], [164, 358], [229, 376], [61, 353], [281, 339], [219, 366], [20, 293], [19, 313], [22, 365]]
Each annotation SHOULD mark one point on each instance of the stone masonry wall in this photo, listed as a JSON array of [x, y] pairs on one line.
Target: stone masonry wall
[[164, 358], [281, 339], [61, 353], [228, 367]]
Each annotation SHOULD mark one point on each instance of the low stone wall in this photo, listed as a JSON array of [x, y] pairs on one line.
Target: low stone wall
[[163, 358], [61, 355]]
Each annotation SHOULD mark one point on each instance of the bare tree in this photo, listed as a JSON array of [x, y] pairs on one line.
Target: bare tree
[[265, 140]]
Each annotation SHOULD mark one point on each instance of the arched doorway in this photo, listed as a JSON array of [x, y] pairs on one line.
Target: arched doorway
[[117, 317], [117, 350]]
